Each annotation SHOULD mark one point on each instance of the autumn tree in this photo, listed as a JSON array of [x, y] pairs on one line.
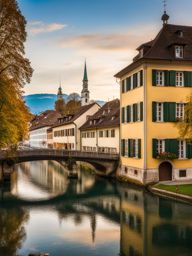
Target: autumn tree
[[60, 106], [15, 71], [185, 126], [73, 103], [13, 63]]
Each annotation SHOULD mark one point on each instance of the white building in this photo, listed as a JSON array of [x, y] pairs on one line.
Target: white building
[[66, 133], [101, 131], [39, 126]]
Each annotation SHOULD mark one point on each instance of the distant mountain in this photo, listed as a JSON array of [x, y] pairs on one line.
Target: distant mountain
[[38, 103]]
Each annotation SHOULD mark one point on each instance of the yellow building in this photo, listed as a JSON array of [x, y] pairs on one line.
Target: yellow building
[[154, 91]]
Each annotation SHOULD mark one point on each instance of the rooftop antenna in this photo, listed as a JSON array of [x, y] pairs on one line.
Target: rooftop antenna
[[165, 17]]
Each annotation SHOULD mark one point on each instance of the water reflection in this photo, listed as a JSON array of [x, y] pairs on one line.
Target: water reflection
[[92, 216]]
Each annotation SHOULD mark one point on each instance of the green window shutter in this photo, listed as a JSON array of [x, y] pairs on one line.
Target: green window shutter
[[154, 111], [141, 111], [127, 84], [129, 147], [135, 81], [123, 86], [141, 78], [166, 112], [172, 78], [172, 146], [123, 115], [188, 79], [189, 150], [128, 114], [134, 112], [155, 149], [122, 147], [166, 77], [154, 77], [139, 148], [172, 111]]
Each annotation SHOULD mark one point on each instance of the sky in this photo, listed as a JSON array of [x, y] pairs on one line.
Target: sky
[[63, 33]]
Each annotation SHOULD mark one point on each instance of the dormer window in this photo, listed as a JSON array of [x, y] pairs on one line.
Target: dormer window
[[180, 33], [141, 52], [179, 51]]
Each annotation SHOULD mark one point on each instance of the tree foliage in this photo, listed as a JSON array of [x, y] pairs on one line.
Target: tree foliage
[[60, 106], [15, 71], [185, 126], [14, 115], [13, 64]]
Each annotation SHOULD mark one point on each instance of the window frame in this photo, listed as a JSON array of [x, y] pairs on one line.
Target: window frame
[[182, 149], [161, 146], [179, 79], [160, 78], [160, 112], [179, 51]]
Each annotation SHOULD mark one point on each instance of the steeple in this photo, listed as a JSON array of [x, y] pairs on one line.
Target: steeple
[[85, 78], [85, 91], [60, 93]]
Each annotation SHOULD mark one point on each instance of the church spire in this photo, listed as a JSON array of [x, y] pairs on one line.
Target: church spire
[[60, 93], [85, 78], [85, 90]]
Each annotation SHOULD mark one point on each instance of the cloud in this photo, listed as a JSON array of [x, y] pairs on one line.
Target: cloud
[[38, 27], [126, 40]]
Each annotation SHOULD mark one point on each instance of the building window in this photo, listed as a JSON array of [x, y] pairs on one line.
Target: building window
[[182, 173], [179, 79], [113, 133], [159, 112], [135, 172], [101, 134], [138, 112], [161, 146], [138, 79], [180, 111], [179, 51], [182, 149], [126, 147], [160, 78], [131, 113], [107, 133]]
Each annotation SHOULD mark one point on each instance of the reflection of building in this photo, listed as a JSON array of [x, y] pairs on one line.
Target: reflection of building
[[154, 226], [101, 131], [47, 175], [66, 133], [154, 91], [39, 126]]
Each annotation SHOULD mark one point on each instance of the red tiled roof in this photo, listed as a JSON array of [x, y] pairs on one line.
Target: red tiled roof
[[107, 116]]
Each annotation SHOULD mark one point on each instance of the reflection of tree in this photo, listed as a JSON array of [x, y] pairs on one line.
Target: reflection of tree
[[12, 232]]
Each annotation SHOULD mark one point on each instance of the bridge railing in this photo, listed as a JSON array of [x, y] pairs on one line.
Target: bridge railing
[[61, 153]]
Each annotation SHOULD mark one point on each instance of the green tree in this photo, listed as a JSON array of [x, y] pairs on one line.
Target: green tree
[[185, 126]]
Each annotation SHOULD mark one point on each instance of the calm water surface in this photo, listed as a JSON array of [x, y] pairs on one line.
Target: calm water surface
[[41, 210]]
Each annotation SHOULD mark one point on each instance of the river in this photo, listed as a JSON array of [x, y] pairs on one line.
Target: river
[[41, 210]]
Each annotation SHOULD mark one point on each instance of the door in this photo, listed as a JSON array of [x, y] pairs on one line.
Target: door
[[165, 171]]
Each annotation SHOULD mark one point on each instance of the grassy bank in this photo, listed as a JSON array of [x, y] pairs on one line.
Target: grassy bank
[[179, 189]]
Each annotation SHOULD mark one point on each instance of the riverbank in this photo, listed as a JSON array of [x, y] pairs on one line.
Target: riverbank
[[177, 191]]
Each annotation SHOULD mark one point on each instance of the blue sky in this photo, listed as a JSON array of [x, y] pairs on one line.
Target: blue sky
[[62, 33]]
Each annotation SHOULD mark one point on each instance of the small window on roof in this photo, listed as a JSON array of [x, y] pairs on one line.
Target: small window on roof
[[179, 51], [180, 33]]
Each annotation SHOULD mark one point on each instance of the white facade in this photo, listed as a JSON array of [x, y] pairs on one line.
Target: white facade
[[104, 140], [67, 135], [38, 137]]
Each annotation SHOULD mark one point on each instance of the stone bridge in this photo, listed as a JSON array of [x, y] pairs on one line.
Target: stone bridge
[[104, 164]]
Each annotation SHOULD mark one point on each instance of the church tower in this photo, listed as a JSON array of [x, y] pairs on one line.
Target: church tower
[[85, 91], [60, 93]]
